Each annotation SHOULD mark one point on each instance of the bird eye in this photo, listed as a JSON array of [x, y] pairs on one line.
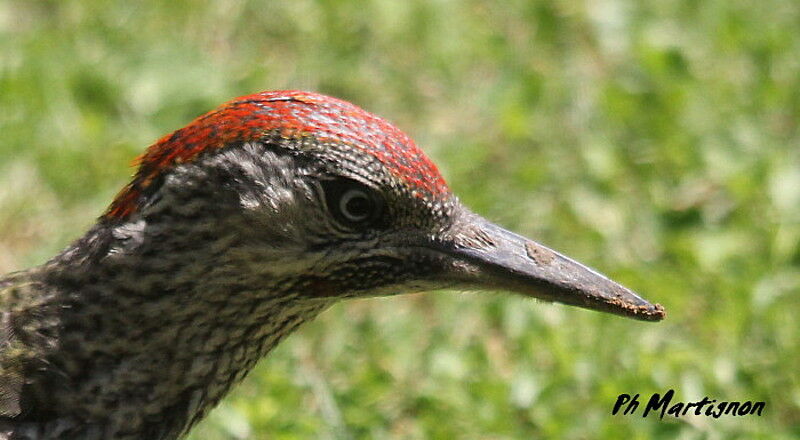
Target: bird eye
[[355, 205], [352, 203]]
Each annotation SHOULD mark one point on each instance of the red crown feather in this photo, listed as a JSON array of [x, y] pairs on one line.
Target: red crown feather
[[291, 114]]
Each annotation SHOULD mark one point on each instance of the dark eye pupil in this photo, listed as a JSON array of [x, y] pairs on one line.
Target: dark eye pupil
[[351, 203], [355, 205], [358, 206]]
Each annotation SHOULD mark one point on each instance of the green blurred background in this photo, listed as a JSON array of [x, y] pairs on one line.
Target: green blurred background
[[656, 140]]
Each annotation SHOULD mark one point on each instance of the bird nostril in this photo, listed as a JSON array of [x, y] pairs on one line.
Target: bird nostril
[[539, 254]]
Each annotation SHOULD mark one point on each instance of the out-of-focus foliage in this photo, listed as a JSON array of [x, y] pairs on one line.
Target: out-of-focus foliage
[[656, 140]]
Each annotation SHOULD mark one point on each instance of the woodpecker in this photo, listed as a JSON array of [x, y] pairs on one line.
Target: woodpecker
[[234, 231]]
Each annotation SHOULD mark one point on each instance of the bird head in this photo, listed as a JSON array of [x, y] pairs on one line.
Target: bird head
[[337, 202]]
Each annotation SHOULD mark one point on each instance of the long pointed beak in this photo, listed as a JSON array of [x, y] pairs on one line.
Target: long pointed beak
[[494, 258]]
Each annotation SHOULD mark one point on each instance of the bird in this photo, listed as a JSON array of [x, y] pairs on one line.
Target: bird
[[234, 231]]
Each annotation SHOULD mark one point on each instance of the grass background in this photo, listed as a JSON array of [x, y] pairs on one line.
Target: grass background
[[655, 140]]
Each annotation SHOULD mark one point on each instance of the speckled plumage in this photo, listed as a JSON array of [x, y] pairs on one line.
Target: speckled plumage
[[224, 243]]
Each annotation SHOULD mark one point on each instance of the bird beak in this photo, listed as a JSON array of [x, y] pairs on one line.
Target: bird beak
[[493, 258]]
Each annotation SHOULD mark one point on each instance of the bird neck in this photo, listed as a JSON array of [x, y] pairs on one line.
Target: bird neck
[[149, 333]]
